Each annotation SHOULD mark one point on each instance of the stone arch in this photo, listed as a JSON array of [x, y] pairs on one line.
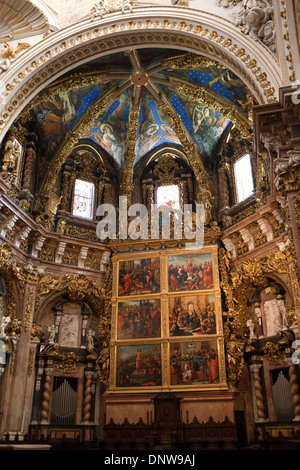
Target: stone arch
[[200, 33]]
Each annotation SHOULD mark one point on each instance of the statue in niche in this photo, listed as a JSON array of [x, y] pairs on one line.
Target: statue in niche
[[251, 326], [257, 311], [90, 339], [282, 308], [3, 322], [52, 332], [272, 313], [9, 155]]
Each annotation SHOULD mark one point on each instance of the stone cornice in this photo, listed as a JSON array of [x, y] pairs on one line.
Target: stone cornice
[[15, 221]]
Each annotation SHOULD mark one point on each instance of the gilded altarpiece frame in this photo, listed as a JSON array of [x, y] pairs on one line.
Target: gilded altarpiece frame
[[148, 351]]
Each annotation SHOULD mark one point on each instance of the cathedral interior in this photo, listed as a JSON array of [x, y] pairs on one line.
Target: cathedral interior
[[113, 338]]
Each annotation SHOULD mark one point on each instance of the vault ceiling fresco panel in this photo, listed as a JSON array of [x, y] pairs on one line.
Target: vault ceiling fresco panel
[[145, 74]]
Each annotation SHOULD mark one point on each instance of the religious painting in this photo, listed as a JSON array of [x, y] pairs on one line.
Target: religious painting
[[138, 365], [139, 319], [58, 115], [194, 363], [154, 129], [192, 315], [139, 276], [190, 272]]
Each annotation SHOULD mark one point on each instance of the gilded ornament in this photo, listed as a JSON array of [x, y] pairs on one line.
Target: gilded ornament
[[235, 362], [69, 361], [273, 352]]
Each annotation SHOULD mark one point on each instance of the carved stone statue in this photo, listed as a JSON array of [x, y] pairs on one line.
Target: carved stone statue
[[257, 311], [9, 155], [10, 53], [272, 316], [282, 309], [106, 6], [90, 339], [255, 17], [3, 322], [52, 331]]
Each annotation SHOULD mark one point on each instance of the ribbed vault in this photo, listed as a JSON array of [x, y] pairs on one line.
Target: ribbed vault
[[137, 94]]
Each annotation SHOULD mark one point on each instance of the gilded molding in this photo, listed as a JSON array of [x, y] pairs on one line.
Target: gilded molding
[[129, 155], [71, 140], [72, 50], [78, 287]]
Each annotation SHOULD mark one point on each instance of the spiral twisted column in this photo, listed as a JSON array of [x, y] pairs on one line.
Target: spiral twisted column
[[258, 392], [46, 396], [295, 391], [87, 397]]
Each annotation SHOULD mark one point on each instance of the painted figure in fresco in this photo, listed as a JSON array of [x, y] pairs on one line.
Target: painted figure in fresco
[[169, 133], [148, 137], [112, 142], [55, 115], [173, 281], [202, 117], [155, 320]]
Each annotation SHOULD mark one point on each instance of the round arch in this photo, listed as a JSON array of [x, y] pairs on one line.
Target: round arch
[[201, 33]]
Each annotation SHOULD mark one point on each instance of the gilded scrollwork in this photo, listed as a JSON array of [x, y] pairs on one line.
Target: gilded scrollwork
[[273, 352], [104, 328], [78, 287], [234, 361], [69, 361], [237, 284]]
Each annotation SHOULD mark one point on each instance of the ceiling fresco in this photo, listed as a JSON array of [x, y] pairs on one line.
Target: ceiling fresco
[[143, 76]]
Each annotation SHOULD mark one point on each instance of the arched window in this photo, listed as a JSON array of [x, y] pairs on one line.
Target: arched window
[[168, 196], [243, 178], [83, 201]]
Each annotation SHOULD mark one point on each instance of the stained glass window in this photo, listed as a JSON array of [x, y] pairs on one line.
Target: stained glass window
[[83, 203], [243, 177], [168, 196]]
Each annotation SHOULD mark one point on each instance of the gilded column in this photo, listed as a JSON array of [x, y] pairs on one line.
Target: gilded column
[[127, 186], [258, 392], [87, 397], [287, 181], [65, 191], [150, 199], [45, 413], [295, 391], [223, 188], [28, 168], [22, 390]]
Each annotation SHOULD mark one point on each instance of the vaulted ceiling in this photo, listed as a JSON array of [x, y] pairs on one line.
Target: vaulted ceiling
[[94, 104]]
